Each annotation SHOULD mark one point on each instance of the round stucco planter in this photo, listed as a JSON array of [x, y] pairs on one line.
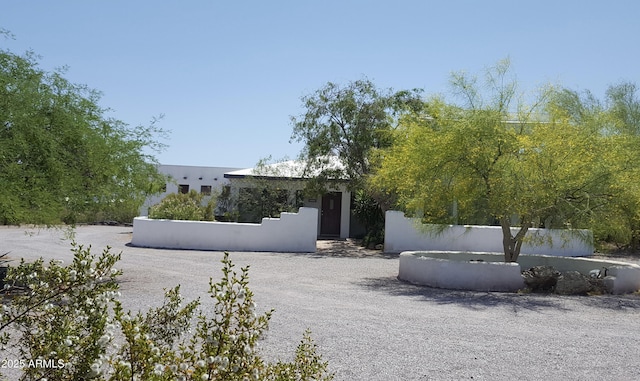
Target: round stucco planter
[[489, 272]]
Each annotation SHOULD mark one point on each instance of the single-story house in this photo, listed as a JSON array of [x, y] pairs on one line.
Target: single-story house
[[184, 178], [335, 219]]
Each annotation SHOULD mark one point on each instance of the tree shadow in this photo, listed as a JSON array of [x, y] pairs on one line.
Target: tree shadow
[[347, 248], [480, 300]]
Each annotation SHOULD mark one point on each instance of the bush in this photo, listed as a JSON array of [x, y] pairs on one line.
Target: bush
[[69, 318], [181, 206], [369, 213]]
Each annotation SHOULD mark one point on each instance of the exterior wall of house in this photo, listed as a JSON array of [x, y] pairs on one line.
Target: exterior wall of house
[[408, 234], [345, 210], [194, 177], [292, 232], [186, 178], [345, 214]]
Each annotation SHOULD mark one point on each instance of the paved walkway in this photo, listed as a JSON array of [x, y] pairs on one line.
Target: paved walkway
[[370, 326]]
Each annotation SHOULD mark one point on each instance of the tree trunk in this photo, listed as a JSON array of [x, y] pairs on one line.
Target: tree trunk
[[510, 244]]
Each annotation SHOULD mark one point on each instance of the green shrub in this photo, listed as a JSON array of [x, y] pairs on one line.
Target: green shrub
[[70, 317], [184, 206], [370, 214]]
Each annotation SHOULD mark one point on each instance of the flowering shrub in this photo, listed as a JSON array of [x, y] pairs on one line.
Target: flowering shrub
[[184, 206], [59, 313], [67, 323]]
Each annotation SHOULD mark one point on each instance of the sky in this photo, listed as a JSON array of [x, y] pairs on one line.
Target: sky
[[228, 75]]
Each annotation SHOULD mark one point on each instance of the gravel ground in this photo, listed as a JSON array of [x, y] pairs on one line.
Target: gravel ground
[[369, 325]]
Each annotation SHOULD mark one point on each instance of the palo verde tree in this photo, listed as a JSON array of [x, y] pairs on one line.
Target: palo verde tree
[[617, 119], [494, 159], [61, 157], [622, 104]]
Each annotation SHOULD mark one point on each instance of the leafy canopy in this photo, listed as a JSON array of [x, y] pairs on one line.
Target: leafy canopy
[[494, 159], [348, 122], [61, 157]]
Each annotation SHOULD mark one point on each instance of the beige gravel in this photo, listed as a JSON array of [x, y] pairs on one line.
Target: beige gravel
[[370, 326]]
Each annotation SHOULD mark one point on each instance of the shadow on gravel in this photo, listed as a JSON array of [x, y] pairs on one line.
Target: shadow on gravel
[[345, 248], [477, 300], [347, 254]]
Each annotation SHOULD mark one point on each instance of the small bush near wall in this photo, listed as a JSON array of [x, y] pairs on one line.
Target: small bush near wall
[[179, 206], [254, 204], [369, 213], [70, 318]]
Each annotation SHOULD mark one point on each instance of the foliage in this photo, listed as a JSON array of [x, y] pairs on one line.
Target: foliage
[[184, 206], [255, 203], [617, 121], [60, 314], [500, 160], [69, 318], [348, 122], [307, 365], [273, 187], [61, 157], [367, 210]]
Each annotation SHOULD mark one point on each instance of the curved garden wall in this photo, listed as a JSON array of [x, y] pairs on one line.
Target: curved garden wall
[[488, 272]]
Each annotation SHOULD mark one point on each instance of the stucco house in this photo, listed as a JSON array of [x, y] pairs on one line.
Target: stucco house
[[183, 178], [335, 219]]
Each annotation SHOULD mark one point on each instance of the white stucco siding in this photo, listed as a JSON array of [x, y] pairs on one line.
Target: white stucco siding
[[292, 232], [193, 176], [408, 234], [345, 215]]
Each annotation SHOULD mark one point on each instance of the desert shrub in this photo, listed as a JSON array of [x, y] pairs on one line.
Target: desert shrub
[[59, 313], [370, 214], [184, 206], [70, 319]]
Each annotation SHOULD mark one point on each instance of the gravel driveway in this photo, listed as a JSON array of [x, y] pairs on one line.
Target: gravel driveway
[[370, 326]]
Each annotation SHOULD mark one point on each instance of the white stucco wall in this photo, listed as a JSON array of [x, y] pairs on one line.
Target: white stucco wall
[[345, 215], [406, 234], [193, 176], [487, 271], [345, 209], [292, 232], [458, 274]]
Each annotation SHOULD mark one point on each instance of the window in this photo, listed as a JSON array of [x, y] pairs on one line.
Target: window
[[205, 189], [183, 188]]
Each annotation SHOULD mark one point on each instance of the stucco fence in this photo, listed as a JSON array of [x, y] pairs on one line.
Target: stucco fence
[[487, 272], [292, 232], [408, 234]]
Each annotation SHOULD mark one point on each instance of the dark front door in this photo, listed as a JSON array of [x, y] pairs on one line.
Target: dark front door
[[330, 214]]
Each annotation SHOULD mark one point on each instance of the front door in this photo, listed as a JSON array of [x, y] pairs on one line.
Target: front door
[[330, 214]]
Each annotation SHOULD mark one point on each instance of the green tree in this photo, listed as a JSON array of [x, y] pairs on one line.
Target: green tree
[[495, 159], [61, 157], [350, 123], [622, 110], [273, 187], [617, 119]]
